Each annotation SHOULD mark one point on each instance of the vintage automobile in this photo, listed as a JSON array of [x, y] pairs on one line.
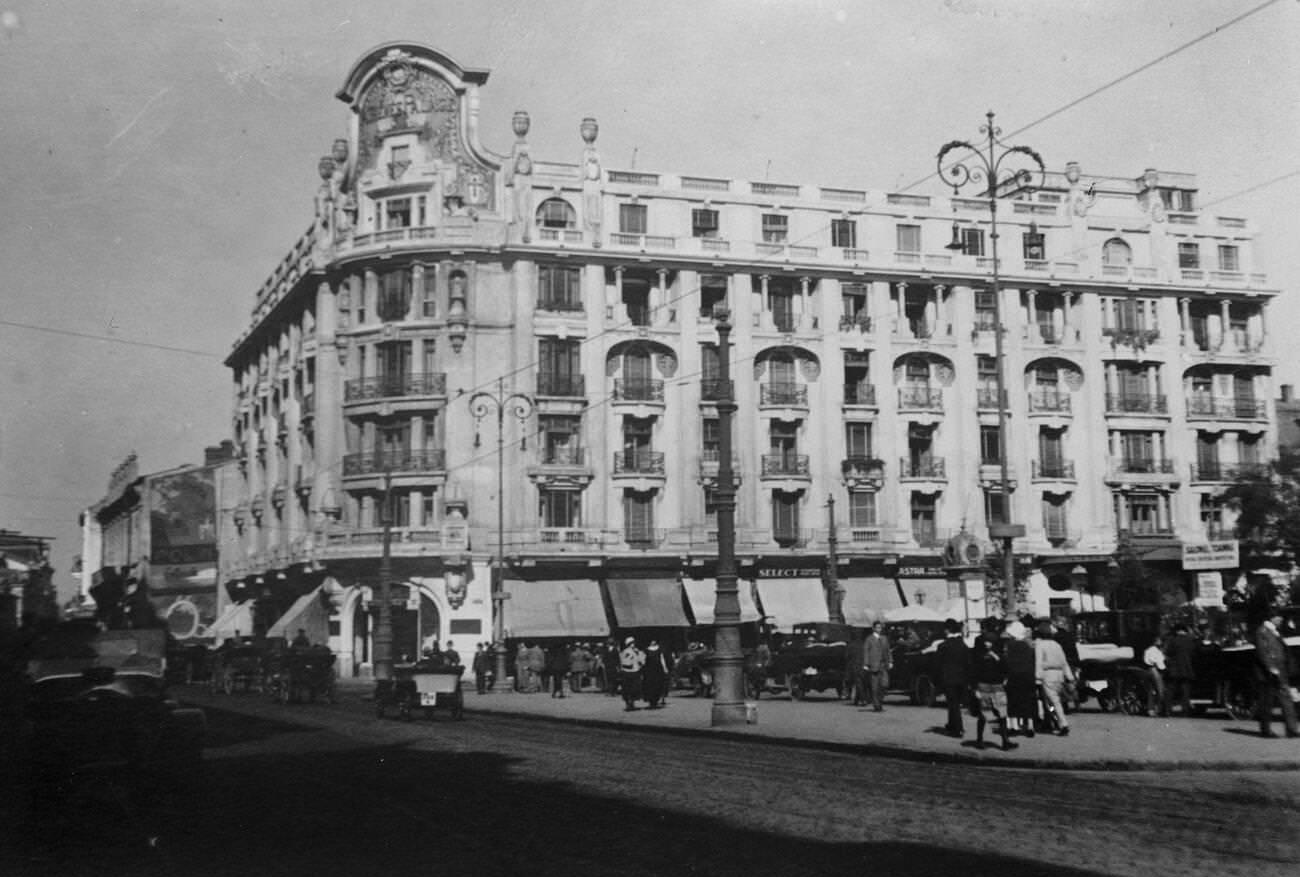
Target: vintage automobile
[[97, 705], [424, 686], [914, 653], [1110, 653], [692, 670], [237, 667], [812, 658], [300, 673]]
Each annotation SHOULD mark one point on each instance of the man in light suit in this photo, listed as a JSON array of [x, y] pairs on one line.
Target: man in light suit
[[876, 661], [1273, 672]]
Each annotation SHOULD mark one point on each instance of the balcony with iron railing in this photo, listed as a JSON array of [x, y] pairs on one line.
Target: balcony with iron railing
[[561, 386], [986, 399], [785, 466], [1052, 470], [782, 394], [714, 390], [861, 471], [638, 390], [920, 398], [860, 393], [1141, 466], [711, 463], [922, 469], [1215, 472], [1201, 407], [1135, 337], [1137, 403], [1049, 400], [408, 462], [639, 462], [859, 322], [560, 304], [432, 384]]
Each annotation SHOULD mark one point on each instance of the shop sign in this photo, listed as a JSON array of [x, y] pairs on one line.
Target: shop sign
[[1222, 554], [807, 572], [1209, 588]]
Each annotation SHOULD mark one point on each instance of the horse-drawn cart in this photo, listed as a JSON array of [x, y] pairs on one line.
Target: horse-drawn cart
[[421, 686]]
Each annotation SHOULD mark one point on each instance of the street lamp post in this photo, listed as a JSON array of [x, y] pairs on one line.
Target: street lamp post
[[997, 166], [519, 406], [728, 660], [834, 591], [383, 658]]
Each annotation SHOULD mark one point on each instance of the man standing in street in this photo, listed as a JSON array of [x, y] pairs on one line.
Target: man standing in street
[[876, 661], [1273, 672], [954, 664], [1180, 661], [482, 666]]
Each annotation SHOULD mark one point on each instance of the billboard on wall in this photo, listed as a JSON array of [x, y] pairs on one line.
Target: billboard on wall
[[183, 531]]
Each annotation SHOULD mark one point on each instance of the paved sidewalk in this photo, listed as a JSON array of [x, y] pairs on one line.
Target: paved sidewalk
[[1097, 741]]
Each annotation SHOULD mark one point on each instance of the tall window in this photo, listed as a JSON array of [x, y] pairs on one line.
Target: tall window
[[783, 441], [972, 241], [1189, 255], [429, 295], [704, 223], [1116, 253], [844, 233], [713, 292], [636, 300], [1228, 260], [785, 517], [782, 300], [776, 228], [711, 442], [1207, 455], [394, 295], [990, 445], [397, 213], [853, 300], [995, 506], [1051, 453], [558, 288], [1213, 518], [638, 518], [1055, 522], [862, 508], [430, 352], [857, 440], [986, 311], [560, 439], [923, 517], [556, 213], [986, 381], [858, 389], [908, 238], [559, 367], [559, 508], [1143, 513], [394, 361], [632, 218], [1034, 246], [638, 435]]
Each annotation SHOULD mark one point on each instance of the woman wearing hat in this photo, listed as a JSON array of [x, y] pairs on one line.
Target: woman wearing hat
[[1022, 687], [631, 660]]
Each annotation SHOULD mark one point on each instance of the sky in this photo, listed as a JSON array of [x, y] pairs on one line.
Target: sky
[[160, 157]]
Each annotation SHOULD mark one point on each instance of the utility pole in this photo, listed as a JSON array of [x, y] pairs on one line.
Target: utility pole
[[383, 638]]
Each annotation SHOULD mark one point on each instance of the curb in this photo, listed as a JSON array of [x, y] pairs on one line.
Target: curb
[[903, 753]]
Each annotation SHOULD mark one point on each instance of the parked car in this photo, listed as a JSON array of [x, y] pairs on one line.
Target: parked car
[[812, 659]]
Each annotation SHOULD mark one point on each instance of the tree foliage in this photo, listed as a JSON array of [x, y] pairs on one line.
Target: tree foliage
[[1267, 504]]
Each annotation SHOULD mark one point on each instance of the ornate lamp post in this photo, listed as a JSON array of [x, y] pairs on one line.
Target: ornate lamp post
[[519, 406], [728, 659], [1012, 169], [384, 620], [834, 591]]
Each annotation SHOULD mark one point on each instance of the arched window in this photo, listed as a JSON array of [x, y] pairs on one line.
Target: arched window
[[1116, 252], [556, 213]]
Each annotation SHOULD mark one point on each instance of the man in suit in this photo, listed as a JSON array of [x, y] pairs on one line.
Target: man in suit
[[877, 661], [954, 664], [855, 678], [1180, 658], [1273, 672]]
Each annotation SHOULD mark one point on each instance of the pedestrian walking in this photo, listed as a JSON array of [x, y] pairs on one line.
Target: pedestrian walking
[[1022, 687], [631, 660], [557, 668], [1273, 675], [654, 676], [855, 677], [481, 665], [607, 667], [1052, 672], [1180, 657], [953, 657], [579, 666], [535, 658], [877, 662], [1154, 664], [990, 675]]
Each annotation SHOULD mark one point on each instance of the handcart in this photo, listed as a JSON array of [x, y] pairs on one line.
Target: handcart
[[423, 686]]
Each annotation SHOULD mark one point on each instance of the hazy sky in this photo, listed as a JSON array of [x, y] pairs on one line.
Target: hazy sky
[[160, 157]]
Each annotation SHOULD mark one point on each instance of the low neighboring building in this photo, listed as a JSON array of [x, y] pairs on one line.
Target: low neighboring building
[[26, 580]]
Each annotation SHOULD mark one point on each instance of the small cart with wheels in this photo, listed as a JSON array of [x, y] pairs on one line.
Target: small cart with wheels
[[424, 686]]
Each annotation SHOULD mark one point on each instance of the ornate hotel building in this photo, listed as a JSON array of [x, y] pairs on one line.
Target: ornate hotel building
[[457, 318]]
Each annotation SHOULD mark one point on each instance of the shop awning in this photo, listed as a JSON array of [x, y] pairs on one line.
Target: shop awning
[[308, 613], [866, 599], [570, 607], [933, 593], [647, 603], [237, 618], [701, 593], [787, 602]]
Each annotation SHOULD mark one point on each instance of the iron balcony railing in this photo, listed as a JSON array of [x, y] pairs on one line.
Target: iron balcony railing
[[849, 322], [1136, 403], [1049, 400], [395, 387], [922, 467], [859, 394], [1233, 408], [1058, 469], [562, 386], [986, 398], [788, 465], [639, 390], [714, 390], [1142, 466], [1214, 471], [920, 398], [563, 456], [379, 462], [783, 393], [639, 463]]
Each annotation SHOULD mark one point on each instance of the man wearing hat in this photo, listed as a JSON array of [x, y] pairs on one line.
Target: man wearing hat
[[631, 660], [954, 675]]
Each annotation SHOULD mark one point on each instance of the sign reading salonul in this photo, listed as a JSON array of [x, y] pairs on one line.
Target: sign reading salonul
[[1221, 554]]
